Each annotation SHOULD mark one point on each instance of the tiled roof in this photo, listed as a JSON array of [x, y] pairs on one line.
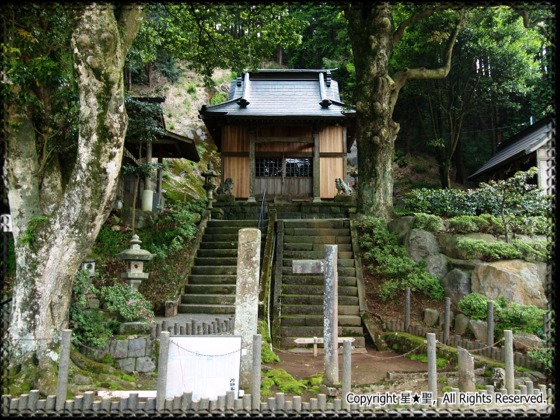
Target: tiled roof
[[522, 144], [282, 93]]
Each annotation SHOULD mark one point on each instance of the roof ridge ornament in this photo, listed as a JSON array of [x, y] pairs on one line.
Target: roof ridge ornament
[[244, 100], [325, 101]]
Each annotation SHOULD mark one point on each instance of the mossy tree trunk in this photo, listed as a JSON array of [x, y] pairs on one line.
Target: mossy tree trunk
[[373, 37], [52, 238]]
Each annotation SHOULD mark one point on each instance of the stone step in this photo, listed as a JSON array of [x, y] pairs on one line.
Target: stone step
[[204, 299], [215, 261], [314, 255], [288, 215], [327, 240], [318, 309], [191, 308], [212, 289], [217, 253], [305, 289], [316, 280], [229, 230], [288, 342], [219, 279], [296, 231], [342, 271], [307, 331], [209, 270], [302, 246], [318, 320], [316, 300], [250, 223], [341, 262], [324, 223], [218, 245]]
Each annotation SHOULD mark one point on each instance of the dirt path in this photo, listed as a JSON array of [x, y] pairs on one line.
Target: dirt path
[[370, 367]]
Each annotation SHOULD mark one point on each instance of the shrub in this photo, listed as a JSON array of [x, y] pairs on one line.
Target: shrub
[[390, 261], [429, 222], [494, 251], [127, 303], [507, 315]]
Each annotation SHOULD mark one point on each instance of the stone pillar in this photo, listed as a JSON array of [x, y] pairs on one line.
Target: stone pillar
[[63, 365], [148, 193], [508, 350], [407, 310], [162, 370], [256, 381], [467, 380], [447, 320], [247, 299], [346, 372], [330, 333], [432, 366], [490, 323]]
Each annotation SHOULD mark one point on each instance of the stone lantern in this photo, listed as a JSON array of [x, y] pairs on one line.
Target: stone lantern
[[208, 184], [134, 258]]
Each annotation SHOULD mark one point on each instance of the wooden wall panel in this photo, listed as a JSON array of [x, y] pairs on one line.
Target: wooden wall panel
[[284, 147], [331, 168], [332, 140], [237, 168], [284, 131], [235, 139]]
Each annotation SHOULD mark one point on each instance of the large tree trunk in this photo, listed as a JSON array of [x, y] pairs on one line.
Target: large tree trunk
[[373, 37], [50, 248], [371, 33]]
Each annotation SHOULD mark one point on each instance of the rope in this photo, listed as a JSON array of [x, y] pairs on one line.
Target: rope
[[205, 355], [487, 347], [395, 357]]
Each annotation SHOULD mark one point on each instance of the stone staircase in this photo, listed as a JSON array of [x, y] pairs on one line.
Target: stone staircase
[[302, 312], [211, 284]]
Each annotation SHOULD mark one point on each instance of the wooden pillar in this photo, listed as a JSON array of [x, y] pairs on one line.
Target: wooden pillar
[[316, 166], [251, 197]]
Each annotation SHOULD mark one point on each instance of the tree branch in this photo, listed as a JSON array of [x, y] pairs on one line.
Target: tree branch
[[130, 21], [423, 14]]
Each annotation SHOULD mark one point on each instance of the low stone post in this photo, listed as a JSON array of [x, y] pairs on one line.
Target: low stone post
[[407, 310], [247, 298], [432, 366], [331, 315], [256, 381], [447, 320], [162, 370], [467, 380], [346, 372], [490, 323], [508, 356], [63, 364]]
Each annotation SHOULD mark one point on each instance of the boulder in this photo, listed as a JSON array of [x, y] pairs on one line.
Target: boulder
[[448, 243], [517, 281], [457, 285], [436, 264], [461, 324], [431, 317], [420, 244], [401, 226], [441, 321], [526, 341], [479, 329]]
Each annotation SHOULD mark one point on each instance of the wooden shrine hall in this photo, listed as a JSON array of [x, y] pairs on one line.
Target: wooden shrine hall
[[284, 132]]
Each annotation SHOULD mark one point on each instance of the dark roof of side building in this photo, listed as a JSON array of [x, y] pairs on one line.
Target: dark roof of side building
[[523, 143]]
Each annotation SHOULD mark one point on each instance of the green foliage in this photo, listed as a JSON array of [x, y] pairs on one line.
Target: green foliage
[[545, 356], [218, 99], [514, 196], [441, 363], [191, 89], [389, 260], [144, 120], [267, 354], [109, 243], [174, 229], [494, 251], [127, 303], [91, 327], [283, 380], [507, 315], [429, 222], [34, 225]]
